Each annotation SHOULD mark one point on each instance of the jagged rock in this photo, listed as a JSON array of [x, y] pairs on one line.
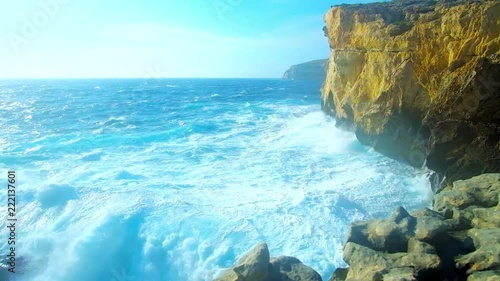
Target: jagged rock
[[462, 241], [364, 262], [368, 264], [257, 266], [487, 253], [485, 237], [428, 227], [340, 274], [419, 261], [464, 216], [414, 257], [291, 269], [416, 246], [419, 81], [480, 260], [486, 218], [478, 191], [473, 202], [426, 212], [253, 266], [390, 235], [397, 274], [491, 275]]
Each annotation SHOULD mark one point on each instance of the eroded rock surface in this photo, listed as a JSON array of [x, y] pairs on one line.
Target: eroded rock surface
[[290, 269], [257, 266], [458, 240], [419, 81]]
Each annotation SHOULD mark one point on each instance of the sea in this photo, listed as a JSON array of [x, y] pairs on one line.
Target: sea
[[175, 179]]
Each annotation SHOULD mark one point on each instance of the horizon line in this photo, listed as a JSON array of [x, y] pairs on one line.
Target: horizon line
[[123, 78]]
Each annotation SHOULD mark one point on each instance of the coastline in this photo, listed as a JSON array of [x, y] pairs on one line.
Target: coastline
[[413, 97]]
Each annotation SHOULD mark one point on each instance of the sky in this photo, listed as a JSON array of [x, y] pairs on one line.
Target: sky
[[160, 38]]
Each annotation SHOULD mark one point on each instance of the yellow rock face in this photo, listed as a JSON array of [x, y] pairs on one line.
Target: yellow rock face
[[419, 80]]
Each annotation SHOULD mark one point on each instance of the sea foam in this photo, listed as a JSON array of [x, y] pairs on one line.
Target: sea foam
[[139, 182]]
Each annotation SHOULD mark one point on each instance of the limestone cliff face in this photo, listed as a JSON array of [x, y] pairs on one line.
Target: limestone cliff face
[[419, 80], [314, 70]]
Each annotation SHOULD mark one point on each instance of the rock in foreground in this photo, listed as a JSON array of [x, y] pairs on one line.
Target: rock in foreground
[[460, 240], [256, 265]]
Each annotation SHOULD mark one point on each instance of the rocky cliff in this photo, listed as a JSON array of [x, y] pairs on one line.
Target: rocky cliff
[[314, 70], [419, 81], [458, 240]]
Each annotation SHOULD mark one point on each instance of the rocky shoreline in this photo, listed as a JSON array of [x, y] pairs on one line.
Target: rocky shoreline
[[459, 239], [256, 265], [419, 81]]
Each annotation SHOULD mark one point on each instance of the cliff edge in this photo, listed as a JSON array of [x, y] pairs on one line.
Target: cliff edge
[[313, 70], [419, 81]]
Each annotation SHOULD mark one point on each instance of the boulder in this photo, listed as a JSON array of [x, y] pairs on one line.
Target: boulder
[[487, 253], [364, 262], [478, 191], [397, 274], [389, 235], [256, 265], [368, 264], [290, 269], [490, 275], [458, 241], [486, 218], [340, 274], [253, 266]]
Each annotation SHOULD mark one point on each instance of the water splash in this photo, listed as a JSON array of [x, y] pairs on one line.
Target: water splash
[[137, 182]]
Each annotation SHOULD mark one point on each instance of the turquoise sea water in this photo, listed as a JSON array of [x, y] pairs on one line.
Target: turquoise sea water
[[149, 180]]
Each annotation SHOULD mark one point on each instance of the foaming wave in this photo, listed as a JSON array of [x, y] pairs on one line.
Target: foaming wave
[[166, 200]]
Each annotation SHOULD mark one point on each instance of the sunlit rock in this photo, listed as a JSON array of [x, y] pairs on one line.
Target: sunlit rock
[[419, 81]]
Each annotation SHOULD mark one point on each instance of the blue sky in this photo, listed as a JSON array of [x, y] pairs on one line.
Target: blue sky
[[159, 38]]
